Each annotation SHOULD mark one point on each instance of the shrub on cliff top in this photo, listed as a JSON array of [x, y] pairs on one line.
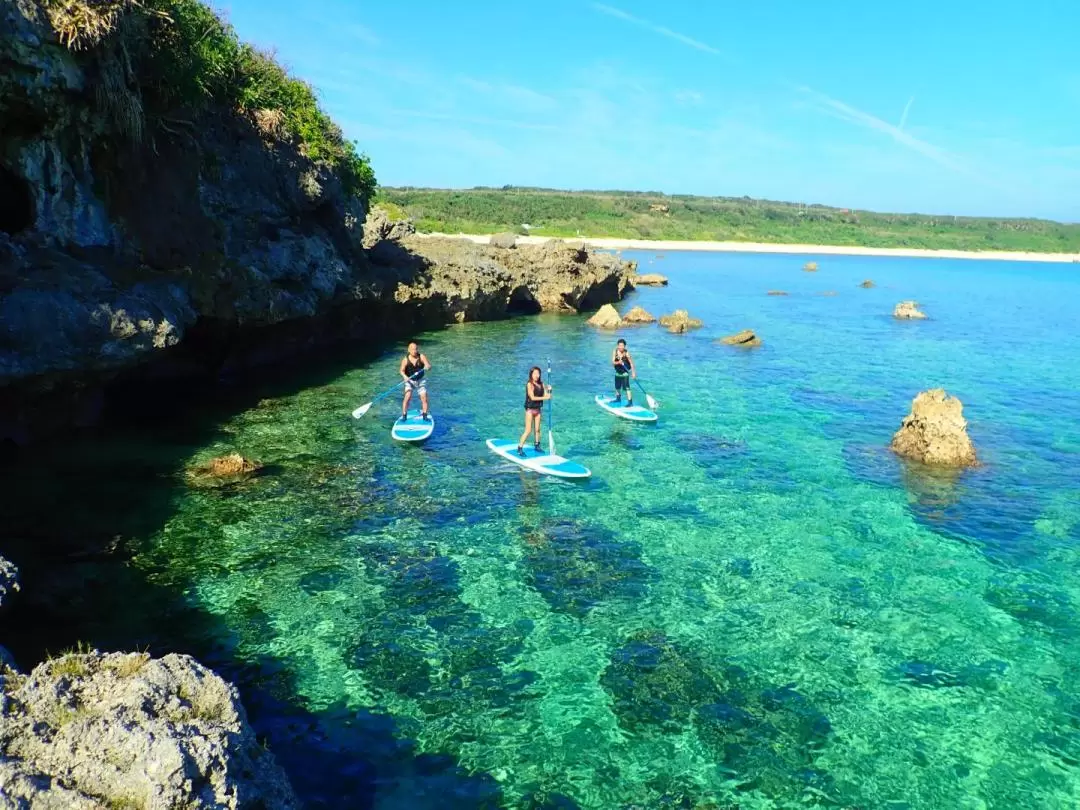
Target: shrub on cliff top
[[185, 59]]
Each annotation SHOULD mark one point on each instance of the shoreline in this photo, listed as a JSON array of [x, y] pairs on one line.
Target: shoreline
[[607, 243]]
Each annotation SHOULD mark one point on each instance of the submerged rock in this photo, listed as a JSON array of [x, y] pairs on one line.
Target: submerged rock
[[607, 317], [680, 321], [650, 280], [746, 338], [223, 469], [638, 315], [868, 284], [908, 310], [935, 432], [810, 267], [126, 730], [776, 292]]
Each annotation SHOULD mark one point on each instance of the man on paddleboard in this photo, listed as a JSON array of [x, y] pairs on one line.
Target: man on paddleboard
[[624, 370], [415, 362]]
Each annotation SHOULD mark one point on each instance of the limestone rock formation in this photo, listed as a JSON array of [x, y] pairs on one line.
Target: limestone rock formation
[[810, 267], [639, 315], [226, 469], [868, 284], [935, 432], [746, 338], [680, 321], [908, 310], [379, 227], [125, 730], [503, 240], [650, 280], [9, 579], [607, 317], [777, 292]]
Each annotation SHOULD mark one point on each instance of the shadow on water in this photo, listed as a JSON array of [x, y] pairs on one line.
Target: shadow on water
[[69, 516]]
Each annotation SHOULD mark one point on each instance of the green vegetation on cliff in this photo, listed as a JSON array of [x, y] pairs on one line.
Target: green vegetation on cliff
[[649, 215], [162, 62]]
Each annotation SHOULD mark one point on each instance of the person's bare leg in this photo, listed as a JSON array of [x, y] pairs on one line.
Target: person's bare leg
[[528, 429], [405, 402], [423, 402]]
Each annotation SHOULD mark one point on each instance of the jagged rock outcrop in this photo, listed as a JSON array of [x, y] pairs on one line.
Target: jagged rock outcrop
[[9, 579], [125, 730], [680, 321], [205, 250], [650, 280], [503, 240], [746, 338], [868, 284], [222, 470], [607, 317], [935, 432], [908, 310], [639, 315], [380, 227]]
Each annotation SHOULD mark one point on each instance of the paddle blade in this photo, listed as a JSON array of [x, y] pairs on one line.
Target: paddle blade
[[653, 404], [551, 443], [362, 410]]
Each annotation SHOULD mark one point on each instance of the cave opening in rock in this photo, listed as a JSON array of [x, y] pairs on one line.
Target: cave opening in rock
[[16, 203], [522, 303]]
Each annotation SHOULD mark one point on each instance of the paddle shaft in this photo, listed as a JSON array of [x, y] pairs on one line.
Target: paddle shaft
[[551, 417], [366, 406]]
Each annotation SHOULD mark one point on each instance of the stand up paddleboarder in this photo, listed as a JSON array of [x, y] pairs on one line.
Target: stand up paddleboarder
[[536, 393], [624, 370], [414, 362]]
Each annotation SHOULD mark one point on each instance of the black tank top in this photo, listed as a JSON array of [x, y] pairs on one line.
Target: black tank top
[[411, 367], [537, 391], [622, 366]]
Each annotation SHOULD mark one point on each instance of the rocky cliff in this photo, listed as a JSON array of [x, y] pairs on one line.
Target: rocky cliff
[[200, 241]]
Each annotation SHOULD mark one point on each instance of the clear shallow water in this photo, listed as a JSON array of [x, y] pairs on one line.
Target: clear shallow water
[[751, 604]]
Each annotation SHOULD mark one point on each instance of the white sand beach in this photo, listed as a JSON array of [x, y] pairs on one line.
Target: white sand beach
[[759, 247]]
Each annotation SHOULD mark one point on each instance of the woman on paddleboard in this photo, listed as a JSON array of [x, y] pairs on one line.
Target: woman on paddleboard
[[536, 393], [412, 371], [624, 370]]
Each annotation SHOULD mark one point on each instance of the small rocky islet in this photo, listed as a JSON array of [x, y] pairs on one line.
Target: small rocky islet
[[245, 267]]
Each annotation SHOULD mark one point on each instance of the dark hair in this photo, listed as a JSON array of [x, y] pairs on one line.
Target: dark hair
[[620, 340], [535, 368]]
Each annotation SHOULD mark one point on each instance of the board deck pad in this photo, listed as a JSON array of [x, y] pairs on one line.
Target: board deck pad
[[413, 428], [540, 462], [635, 413]]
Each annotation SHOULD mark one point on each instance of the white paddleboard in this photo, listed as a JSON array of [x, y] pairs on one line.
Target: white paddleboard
[[635, 413], [545, 463], [413, 428]]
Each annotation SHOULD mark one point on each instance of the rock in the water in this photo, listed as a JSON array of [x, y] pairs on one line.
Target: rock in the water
[[124, 730], [908, 310], [810, 267], [223, 469], [746, 338], [607, 317], [868, 284], [777, 292], [827, 293], [680, 321], [380, 226], [650, 280], [503, 240], [639, 315], [935, 432]]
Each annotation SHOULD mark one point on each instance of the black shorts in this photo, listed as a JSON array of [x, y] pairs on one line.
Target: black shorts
[[622, 381]]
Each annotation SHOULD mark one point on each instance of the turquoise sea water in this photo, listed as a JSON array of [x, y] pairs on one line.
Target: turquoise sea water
[[751, 604]]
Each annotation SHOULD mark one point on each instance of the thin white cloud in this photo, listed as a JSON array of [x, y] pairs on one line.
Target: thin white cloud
[[689, 97], [619, 14], [361, 33], [904, 114], [515, 93], [853, 115], [470, 119]]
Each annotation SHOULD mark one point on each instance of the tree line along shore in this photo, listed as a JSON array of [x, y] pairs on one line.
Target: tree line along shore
[[683, 218]]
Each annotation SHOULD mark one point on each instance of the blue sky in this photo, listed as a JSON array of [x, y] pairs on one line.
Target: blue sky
[[918, 106]]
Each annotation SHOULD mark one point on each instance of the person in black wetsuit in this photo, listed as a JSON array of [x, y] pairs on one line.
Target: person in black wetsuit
[[415, 362], [624, 370], [536, 393]]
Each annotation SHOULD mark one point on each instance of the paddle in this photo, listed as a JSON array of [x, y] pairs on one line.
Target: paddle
[[653, 404], [367, 407], [551, 418]]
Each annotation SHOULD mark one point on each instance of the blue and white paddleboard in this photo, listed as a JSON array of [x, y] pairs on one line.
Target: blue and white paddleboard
[[635, 413], [413, 428], [545, 463]]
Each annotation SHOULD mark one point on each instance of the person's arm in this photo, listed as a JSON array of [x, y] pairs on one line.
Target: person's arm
[[547, 392], [424, 360], [401, 369], [633, 368], [613, 356]]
